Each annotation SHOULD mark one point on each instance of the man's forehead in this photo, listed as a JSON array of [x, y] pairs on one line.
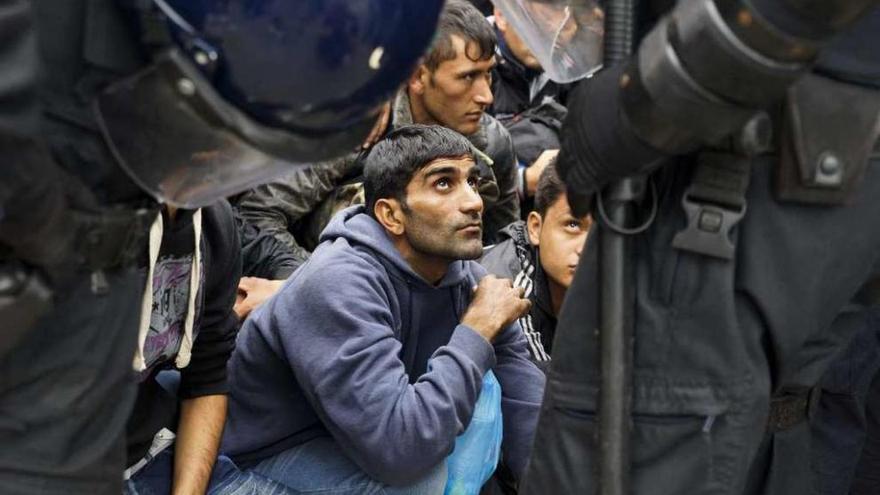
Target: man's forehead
[[467, 55], [461, 163]]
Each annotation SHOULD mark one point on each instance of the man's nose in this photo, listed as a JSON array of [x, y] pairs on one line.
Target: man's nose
[[581, 243], [472, 202], [483, 92]]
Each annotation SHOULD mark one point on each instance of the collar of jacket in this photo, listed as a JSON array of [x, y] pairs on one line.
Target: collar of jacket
[[401, 115], [507, 61], [525, 251]]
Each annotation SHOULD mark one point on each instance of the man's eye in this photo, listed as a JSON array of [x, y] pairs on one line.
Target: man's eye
[[573, 225], [474, 182], [442, 184]]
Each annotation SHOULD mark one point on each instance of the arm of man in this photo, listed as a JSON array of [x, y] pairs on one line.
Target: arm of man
[[263, 255], [345, 355], [522, 388], [276, 207], [35, 210], [506, 210], [203, 386], [198, 441]]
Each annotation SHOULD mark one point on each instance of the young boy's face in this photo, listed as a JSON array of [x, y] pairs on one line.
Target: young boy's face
[[560, 236]]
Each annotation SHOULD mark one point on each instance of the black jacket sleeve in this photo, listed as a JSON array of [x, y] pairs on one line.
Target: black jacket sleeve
[[276, 208], [505, 210], [218, 325], [263, 255]]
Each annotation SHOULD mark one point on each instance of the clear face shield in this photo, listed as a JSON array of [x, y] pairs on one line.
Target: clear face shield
[[186, 146], [564, 35]]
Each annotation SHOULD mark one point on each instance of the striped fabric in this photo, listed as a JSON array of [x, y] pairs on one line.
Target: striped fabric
[[525, 280]]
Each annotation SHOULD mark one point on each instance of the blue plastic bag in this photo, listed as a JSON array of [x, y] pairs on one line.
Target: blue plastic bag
[[477, 449]]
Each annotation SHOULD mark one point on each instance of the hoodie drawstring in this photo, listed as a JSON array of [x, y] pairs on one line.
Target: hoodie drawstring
[[185, 352]]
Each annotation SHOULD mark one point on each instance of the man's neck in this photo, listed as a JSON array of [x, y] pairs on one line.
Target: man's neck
[[557, 295], [418, 111], [430, 268]]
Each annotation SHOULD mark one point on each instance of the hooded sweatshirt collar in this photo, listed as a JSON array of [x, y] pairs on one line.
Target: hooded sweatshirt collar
[[354, 225]]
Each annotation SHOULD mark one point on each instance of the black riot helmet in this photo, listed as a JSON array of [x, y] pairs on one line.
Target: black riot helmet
[[246, 89]]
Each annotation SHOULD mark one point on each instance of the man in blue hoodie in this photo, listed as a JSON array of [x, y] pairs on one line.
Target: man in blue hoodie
[[365, 367]]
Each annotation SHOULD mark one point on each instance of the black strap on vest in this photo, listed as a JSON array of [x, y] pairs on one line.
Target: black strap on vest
[[791, 407], [714, 203], [112, 238]]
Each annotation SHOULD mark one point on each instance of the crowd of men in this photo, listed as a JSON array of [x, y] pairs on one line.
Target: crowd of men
[[377, 290], [329, 331]]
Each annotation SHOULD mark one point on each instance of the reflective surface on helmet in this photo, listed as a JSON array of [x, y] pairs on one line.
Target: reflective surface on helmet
[[565, 35], [186, 146], [311, 65]]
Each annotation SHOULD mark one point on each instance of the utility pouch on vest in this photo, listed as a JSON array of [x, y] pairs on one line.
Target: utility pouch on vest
[[829, 129], [24, 298], [111, 238]]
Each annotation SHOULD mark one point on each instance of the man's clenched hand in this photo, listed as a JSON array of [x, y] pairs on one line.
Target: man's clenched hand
[[496, 305]]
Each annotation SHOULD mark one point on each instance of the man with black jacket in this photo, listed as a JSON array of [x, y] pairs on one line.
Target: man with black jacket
[[451, 88]]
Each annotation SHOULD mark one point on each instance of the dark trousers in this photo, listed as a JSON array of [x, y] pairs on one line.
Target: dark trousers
[[66, 392], [841, 424], [867, 478]]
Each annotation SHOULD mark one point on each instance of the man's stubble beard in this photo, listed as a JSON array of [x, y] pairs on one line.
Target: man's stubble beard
[[429, 241]]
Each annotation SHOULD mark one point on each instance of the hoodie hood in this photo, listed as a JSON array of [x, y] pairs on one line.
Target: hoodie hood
[[359, 229]]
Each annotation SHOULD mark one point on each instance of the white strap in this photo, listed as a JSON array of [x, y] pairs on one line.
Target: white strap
[[185, 352], [147, 304]]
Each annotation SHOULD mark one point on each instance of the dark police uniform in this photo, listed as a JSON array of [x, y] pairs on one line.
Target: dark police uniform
[[66, 387], [726, 352]]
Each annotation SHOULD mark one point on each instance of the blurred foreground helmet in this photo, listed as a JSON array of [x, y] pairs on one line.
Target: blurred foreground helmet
[[245, 89], [565, 35]]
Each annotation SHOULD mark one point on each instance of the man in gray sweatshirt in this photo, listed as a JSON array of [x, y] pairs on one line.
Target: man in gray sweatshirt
[[366, 366]]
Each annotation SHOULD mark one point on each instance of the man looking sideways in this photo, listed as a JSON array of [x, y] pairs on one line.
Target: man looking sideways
[[453, 88], [365, 368]]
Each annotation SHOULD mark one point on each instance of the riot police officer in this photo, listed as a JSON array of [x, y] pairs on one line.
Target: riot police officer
[[757, 125], [109, 109]]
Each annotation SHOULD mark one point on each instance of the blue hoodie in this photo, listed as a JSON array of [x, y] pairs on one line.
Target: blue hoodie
[[342, 350]]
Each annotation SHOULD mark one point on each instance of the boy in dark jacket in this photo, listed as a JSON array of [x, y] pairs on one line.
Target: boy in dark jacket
[[363, 370], [540, 255]]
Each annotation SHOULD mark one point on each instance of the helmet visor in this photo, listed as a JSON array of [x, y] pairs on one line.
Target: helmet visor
[[187, 147], [564, 35]]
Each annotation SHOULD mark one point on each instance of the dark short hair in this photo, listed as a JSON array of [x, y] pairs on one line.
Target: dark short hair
[[464, 20], [550, 188], [394, 161]]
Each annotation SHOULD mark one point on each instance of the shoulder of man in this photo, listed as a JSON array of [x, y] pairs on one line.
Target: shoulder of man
[[499, 143], [502, 259], [337, 267], [299, 184]]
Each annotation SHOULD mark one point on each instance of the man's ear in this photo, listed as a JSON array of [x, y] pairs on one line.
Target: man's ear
[[418, 80], [389, 214], [533, 225]]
